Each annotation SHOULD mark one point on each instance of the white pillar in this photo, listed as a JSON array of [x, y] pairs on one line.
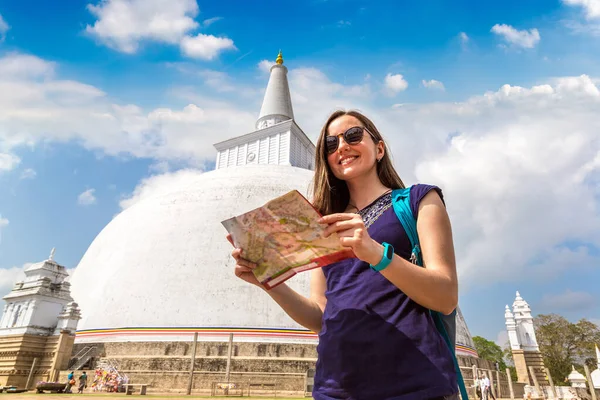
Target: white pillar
[[4, 315]]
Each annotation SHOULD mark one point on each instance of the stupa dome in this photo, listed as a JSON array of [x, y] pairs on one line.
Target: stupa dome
[[164, 264]]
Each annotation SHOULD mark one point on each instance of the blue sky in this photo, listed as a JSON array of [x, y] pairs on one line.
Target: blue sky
[[90, 109]]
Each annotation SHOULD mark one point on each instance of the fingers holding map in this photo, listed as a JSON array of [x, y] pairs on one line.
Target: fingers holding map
[[284, 237]]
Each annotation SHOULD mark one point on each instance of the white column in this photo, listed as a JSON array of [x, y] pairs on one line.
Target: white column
[[277, 141], [4, 315], [28, 315], [25, 312]]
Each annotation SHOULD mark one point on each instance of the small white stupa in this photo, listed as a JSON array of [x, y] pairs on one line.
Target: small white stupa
[[41, 304], [577, 379], [596, 373], [38, 324], [523, 342]]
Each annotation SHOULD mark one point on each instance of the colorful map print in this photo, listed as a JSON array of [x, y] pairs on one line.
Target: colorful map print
[[283, 237]]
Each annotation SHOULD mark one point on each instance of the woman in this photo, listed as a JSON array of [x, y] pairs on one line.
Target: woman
[[376, 337]]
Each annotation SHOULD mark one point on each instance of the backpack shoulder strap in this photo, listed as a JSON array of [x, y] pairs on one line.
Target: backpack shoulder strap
[[401, 204]]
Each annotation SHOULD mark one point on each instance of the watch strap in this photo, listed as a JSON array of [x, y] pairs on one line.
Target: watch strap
[[386, 259]]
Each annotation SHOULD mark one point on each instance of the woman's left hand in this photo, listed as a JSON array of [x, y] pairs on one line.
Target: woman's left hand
[[353, 233]]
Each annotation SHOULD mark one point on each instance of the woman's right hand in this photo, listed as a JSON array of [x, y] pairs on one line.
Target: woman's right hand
[[243, 267]]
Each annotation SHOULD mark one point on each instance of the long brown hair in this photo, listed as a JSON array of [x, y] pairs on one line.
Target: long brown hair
[[330, 194]]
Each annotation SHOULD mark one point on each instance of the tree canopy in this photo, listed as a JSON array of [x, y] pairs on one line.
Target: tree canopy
[[563, 343], [489, 350]]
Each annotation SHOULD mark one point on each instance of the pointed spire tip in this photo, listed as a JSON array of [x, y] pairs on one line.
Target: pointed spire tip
[[279, 59]]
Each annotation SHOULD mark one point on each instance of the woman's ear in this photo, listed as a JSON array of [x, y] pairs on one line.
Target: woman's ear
[[380, 150]]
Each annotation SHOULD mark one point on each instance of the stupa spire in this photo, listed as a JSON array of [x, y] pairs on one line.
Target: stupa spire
[[277, 103]]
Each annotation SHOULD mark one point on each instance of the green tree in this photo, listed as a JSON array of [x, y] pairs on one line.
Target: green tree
[[489, 350], [563, 343]]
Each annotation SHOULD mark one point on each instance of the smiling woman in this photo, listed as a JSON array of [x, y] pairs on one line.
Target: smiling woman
[[379, 301], [372, 312]]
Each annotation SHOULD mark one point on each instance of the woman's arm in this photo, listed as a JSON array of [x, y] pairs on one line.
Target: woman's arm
[[436, 285], [308, 312]]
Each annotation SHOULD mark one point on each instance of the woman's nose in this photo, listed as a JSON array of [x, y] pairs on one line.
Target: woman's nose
[[342, 145]]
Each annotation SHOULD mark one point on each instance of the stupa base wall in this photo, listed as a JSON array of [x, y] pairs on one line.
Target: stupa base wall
[[165, 366], [163, 381]]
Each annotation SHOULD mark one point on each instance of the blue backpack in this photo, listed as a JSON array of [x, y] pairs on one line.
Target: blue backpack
[[445, 324]]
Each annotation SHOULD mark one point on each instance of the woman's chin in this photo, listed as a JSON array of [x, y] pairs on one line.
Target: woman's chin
[[348, 173]]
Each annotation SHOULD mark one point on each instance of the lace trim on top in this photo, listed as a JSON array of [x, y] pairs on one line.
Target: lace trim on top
[[374, 210]]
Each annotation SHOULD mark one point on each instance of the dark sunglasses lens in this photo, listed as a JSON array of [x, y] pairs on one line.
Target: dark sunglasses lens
[[353, 135], [331, 142]]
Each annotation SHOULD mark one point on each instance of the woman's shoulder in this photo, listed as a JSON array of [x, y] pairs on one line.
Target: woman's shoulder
[[417, 194]]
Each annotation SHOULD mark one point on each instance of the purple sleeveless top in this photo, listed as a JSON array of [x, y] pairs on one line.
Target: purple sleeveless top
[[375, 342]]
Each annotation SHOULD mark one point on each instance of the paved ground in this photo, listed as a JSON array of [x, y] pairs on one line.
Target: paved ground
[[107, 396]]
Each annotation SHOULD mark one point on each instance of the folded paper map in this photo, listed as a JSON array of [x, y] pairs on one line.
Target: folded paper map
[[283, 237]]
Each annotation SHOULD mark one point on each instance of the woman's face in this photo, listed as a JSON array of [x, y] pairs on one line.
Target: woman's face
[[351, 161]]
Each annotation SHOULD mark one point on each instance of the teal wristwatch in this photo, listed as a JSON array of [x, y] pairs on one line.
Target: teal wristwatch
[[388, 254]]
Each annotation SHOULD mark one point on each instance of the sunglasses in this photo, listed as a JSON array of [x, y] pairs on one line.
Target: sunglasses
[[352, 136]]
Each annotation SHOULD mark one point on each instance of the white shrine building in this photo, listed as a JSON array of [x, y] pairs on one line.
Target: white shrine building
[[523, 343], [596, 373], [38, 325]]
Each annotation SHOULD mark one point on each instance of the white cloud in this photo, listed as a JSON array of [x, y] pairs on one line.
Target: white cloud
[[3, 224], [205, 47], [36, 106], [28, 173], [10, 276], [341, 23], [568, 301], [591, 28], [86, 198], [464, 40], [498, 157], [395, 83], [526, 39], [217, 80], [4, 27], [433, 84], [123, 24], [159, 167], [158, 185], [8, 161], [590, 7], [314, 95], [502, 338], [265, 66], [25, 66], [208, 22]]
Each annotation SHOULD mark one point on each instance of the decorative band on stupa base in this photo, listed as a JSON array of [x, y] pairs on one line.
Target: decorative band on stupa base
[[208, 332]]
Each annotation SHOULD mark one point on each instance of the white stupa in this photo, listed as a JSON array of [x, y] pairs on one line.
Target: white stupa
[[576, 378], [595, 375], [523, 342], [162, 268]]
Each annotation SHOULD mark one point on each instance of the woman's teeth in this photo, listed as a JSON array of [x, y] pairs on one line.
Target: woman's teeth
[[348, 160]]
